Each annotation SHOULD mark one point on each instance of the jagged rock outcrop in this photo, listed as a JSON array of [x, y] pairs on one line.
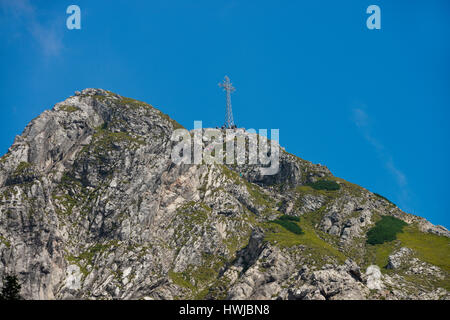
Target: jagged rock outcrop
[[92, 207], [342, 282], [396, 260]]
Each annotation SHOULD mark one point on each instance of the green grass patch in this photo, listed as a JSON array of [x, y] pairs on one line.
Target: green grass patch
[[68, 108], [379, 254], [133, 103], [429, 247], [105, 138], [385, 230]]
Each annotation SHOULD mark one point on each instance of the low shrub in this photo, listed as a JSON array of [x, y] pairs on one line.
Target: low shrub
[[289, 223], [325, 185], [285, 217], [385, 230], [11, 288]]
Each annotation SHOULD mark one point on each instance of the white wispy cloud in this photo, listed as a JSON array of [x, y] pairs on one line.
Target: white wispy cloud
[[362, 121], [22, 14]]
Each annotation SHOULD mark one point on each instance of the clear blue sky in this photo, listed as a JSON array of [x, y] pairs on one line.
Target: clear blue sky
[[372, 105]]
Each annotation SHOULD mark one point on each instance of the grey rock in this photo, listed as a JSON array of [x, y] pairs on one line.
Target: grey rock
[[374, 278], [396, 260]]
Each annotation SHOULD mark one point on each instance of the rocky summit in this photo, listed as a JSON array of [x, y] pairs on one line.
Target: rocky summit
[[92, 207]]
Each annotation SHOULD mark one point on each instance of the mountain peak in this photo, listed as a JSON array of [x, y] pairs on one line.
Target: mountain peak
[[92, 206]]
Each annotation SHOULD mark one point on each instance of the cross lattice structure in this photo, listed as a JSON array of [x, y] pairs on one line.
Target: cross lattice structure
[[228, 87]]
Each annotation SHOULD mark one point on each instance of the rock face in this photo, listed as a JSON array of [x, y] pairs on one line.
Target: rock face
[[396, 260], [92, 207]]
